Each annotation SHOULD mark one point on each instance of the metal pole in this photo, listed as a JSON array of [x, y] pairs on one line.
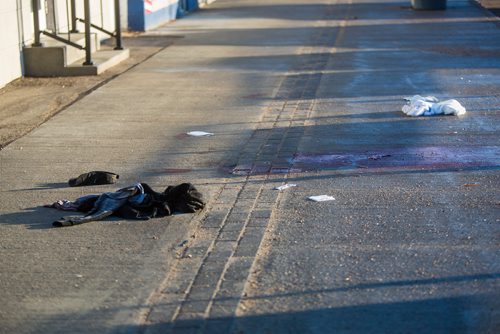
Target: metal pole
[[118, 26], [88, 45], [36, 22], [54, 17], [73, 17]]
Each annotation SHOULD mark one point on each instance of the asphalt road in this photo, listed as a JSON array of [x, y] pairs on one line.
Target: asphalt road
[[411, 242]]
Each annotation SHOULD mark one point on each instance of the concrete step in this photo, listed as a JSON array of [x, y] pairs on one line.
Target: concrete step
[[55, 58], [72, 53], [102, 59]]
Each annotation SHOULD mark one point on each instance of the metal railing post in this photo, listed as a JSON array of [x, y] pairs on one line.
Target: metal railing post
[[118, 26], [73, 17], [88, 44], [36, 22]]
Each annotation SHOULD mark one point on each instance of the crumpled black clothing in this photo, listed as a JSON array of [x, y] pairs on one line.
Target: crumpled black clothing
[[139, 201]]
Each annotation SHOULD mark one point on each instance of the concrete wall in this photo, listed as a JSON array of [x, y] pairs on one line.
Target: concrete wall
[[16, 29]]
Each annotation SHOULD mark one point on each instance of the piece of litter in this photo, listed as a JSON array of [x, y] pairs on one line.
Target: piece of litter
[[285, 186], [321, 198], [430, 105], [79, 276], [200, 134]]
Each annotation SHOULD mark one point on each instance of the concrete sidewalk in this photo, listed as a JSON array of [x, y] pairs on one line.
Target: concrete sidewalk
[[409, 245], [103, 277]]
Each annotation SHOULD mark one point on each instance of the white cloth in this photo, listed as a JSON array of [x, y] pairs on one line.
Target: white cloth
[[429, 105]]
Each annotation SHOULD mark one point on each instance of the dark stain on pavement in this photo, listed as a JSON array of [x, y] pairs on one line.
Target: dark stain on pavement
[[414, 157], [430, 157]]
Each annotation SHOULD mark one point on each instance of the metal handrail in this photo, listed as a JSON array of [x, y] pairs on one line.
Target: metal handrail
[[36, 23], [101, 29], [74, 19], [118, 26], [61, 39], [117, 34], [88, 45]]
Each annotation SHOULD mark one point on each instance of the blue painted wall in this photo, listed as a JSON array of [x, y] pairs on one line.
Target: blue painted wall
[[139, 20], [136, 15]]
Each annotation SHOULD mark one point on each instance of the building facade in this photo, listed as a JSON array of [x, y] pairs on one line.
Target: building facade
[[57, 16]]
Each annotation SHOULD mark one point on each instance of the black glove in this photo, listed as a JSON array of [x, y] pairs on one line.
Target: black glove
[[184, 198], [93, 178]]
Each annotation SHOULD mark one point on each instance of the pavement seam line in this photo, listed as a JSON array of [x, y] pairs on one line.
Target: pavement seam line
[[268, 126], [156, 295], [210, 251]]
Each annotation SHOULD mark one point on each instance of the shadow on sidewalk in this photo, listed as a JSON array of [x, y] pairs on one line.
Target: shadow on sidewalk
[[449, 314], [45, 186], [440, 315], [34, 218]]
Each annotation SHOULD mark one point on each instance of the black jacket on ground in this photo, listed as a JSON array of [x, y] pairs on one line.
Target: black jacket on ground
[[139, 201]]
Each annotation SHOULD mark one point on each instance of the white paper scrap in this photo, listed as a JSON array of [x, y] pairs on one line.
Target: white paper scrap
[[321, 198], [200, 134], [285, 186]]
